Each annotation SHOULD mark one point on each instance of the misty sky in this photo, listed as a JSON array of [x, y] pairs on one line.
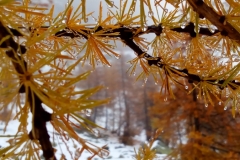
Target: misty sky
[[93, 5]]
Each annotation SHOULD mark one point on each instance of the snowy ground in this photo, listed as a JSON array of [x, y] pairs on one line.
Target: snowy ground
[[117, 151]]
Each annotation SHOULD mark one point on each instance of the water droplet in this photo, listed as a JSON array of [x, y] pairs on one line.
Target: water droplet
[[165, 10], [95, 20], [236, 59], [47, 18], [150, 13], [104, 153], [196, 29], [145, 27], [157, 132], [63, 21], [130, 15], [151, 140], [68, 30], [186, 87], [225, 108], [165, 99], [88, 112], [112, 4], [219, 103], [13, 142], [156, 83], [206, 105], [105, 40], [96, 132], [212, 28], [77, 154], [183, 25], [117, 56], [145, 80], [82, 111]]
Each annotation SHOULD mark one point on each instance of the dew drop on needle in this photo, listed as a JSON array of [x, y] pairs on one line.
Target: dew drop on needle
[[165, 99]]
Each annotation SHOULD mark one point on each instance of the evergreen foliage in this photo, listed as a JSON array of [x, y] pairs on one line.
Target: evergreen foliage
[[195, 41]]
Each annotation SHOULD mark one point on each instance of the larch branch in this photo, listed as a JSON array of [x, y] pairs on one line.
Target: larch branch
[[40, 116], [218, 20]]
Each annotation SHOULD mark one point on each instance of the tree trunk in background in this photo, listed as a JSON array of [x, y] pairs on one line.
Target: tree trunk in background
[[196, 123], [120, 111], [95, 83], [126, 139], [106, 112], [148, 127]]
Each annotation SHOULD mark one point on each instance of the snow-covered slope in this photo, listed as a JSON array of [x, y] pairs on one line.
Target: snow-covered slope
[[117, 151]]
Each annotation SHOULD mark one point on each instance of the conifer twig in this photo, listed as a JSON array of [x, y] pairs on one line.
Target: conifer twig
[[219, 21], [40, 116], [126, 34]]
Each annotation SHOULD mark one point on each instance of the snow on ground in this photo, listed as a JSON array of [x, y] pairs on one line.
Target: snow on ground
[[117, 151]]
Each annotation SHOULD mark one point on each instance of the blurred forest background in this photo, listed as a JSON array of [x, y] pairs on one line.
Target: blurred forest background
[[127, 113], [138, 107], [190, 129]]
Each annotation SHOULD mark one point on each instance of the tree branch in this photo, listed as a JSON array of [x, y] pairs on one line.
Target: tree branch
[[127, 34], [218, 20], [40, 116]]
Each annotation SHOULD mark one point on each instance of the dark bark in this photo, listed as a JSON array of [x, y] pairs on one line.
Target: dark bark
[[126, 132], [148, 127], [127, 34], [40, 116]]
